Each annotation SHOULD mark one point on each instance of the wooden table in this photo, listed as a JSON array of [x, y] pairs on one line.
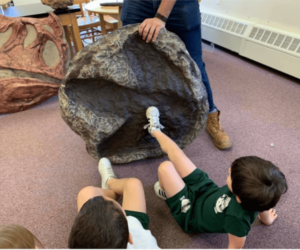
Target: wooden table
[[113, 11], [66, 16], [3, 2]]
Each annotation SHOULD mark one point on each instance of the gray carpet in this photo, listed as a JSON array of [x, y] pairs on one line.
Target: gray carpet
[[44, 163]]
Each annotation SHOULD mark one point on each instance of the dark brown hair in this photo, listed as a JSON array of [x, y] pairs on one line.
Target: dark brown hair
[[99, 224], [257, 182], [16, 236]]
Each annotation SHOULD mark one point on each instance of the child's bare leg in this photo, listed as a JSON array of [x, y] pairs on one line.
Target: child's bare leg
[[132, 191], [181, 162], [131, 188], [90, 192], [169, 179], [170, 174]]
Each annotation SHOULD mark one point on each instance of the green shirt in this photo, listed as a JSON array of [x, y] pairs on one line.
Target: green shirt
[[217, 211]]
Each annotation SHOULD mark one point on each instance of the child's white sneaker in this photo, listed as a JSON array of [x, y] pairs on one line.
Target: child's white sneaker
[[159, 191], [106, 172], [152, 115]]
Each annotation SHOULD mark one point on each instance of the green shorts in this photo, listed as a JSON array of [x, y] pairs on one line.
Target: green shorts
[[182, 204], [142, 217]]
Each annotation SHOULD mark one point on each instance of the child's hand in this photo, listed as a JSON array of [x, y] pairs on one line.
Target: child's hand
[[267, 217]]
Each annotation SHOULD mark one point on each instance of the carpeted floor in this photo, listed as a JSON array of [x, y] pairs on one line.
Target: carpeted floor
[[44, 163]]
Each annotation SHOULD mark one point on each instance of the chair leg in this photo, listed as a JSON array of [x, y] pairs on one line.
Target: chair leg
[[115, 26], [67, 35]]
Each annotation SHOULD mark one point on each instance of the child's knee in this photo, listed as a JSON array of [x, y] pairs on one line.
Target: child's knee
[[133, 183], [165, 167], [86, 191]]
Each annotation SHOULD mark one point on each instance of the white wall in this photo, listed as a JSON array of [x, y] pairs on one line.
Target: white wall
[[24, 2], [281, 14]]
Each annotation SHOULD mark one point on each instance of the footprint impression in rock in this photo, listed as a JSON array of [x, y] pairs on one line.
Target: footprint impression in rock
[[111, 83]]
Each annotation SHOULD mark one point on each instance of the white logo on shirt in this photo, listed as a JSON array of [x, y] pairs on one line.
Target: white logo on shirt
[[222, 203], [185, 205]]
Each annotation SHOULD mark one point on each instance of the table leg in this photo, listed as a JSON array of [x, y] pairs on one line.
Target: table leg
[[119, 17], [76, 33], [102, 23]]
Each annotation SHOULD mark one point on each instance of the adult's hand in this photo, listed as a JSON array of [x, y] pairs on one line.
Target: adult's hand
[[150, 28]]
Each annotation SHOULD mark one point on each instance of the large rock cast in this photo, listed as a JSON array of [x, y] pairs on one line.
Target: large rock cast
[[34, 57], [112, 82]]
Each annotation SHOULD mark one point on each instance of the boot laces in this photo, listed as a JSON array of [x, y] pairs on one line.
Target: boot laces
[[217, 124]]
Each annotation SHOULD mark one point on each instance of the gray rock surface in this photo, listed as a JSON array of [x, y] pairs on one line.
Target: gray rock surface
[[112, 82]]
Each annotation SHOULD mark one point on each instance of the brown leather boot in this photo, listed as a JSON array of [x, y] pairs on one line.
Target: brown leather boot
[[214, 129]]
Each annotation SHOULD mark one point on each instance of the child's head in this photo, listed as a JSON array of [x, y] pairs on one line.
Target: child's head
[[100, 223], [16, 236], [257, 183]]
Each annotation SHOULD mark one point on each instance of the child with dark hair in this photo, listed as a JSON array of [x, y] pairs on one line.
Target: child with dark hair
[[254, 186], [102, 222]]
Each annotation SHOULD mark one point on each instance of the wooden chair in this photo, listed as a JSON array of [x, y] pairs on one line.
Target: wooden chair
[[90, 24], [109, 13], [117, 6]]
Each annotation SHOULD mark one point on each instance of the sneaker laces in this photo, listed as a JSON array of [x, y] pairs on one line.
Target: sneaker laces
[[154, 123], [110, 172]]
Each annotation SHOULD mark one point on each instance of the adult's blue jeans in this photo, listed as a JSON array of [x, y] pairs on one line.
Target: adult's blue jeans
[[184, 21]]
